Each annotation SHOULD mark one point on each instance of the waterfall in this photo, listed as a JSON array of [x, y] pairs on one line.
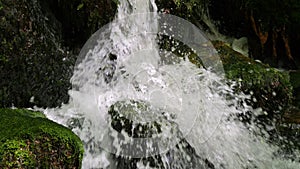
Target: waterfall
[[137, 105]]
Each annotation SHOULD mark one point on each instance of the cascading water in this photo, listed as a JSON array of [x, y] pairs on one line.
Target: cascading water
[[135, 105]]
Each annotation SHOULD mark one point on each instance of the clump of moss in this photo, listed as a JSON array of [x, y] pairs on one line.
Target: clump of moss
[[15, 154], [28, 140]]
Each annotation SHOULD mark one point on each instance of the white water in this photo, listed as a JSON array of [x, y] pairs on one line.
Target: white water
[[122, 62]]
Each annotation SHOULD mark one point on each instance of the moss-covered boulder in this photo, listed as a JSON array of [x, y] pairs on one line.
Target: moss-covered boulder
[[29, 140], [270, 88]]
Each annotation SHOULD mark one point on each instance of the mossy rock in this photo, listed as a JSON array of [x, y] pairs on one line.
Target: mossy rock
[[270, 88], [29, 140]]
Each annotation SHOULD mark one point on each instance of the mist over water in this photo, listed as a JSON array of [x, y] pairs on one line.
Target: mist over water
[[122, 64]]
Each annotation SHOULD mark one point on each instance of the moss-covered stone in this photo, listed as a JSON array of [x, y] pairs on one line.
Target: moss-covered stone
[[270, 88], [29, 140], [124, 114]]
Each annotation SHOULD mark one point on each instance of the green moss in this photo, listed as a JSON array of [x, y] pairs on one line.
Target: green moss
[[270, 88], [27, 138], [15, 154]]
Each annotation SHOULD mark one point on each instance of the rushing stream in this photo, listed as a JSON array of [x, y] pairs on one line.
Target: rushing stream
[[136, 105]]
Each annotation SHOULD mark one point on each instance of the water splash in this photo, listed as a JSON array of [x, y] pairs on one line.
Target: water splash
[[135, 105]]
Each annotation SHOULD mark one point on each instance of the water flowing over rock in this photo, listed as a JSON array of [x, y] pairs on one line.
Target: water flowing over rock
[[134, 120], [137, 105]]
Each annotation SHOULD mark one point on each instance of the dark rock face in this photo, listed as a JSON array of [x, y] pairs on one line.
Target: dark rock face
[[34, 60], [131, 118], [33, 63], [80, 18]]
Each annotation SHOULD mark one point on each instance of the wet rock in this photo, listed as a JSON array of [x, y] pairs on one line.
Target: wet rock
[[149, 137]]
